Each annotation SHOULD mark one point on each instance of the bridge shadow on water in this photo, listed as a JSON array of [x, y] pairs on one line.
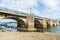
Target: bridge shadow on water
[[20, 27], [37, 26]]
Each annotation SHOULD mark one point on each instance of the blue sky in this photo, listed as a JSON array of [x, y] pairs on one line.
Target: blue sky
[[43, 8]]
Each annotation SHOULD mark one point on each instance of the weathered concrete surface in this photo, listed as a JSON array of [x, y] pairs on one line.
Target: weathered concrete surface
[[28, 36], [30, 22]]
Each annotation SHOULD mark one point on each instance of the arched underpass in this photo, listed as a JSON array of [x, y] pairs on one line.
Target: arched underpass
[[38, 25], [53, 25], [20, 23]]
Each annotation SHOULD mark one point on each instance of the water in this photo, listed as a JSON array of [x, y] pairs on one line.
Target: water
[[13, 27], [55, 29]]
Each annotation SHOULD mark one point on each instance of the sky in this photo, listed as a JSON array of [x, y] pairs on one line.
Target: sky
[[42, 8]]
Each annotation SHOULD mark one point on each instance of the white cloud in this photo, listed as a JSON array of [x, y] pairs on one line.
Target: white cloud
[[52, 4], [52, 7], [20, 5]]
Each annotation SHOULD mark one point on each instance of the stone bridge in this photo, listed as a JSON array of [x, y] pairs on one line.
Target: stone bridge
[[27, 22]]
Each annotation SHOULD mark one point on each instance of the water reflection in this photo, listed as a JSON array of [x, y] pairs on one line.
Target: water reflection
[[54, 29], [10, 25]]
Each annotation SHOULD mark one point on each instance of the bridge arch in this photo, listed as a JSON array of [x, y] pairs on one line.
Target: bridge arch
[[37, 24], [20, 22]]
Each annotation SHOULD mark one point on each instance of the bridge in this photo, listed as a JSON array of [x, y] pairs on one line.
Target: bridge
[[26, 21]]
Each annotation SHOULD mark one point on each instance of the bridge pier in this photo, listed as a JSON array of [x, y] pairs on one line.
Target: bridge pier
[[44, 24], [30, 22], [50, 22]]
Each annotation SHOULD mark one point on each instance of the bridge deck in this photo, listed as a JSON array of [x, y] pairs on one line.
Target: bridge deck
[[14, 12]]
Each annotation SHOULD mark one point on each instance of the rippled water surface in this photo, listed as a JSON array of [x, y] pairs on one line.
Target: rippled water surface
[[54, 29], [13, 27]]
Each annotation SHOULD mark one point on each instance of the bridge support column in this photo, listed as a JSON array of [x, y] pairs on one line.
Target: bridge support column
[[51, 23], [44, 24], [30, 22]]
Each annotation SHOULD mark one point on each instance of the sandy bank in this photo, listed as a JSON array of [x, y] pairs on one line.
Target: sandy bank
[[28, 36]]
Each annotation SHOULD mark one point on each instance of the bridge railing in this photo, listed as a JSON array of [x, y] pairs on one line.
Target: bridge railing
[[12, 11], [16, 12]]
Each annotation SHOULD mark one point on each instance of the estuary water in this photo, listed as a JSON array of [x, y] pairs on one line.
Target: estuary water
[[13, 27], [55, 29], [10, 26]]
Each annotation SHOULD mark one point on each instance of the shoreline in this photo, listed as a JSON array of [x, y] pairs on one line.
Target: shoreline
[[29, 36]]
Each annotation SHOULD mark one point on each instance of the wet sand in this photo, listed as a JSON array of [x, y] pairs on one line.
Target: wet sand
[[28, 36]]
